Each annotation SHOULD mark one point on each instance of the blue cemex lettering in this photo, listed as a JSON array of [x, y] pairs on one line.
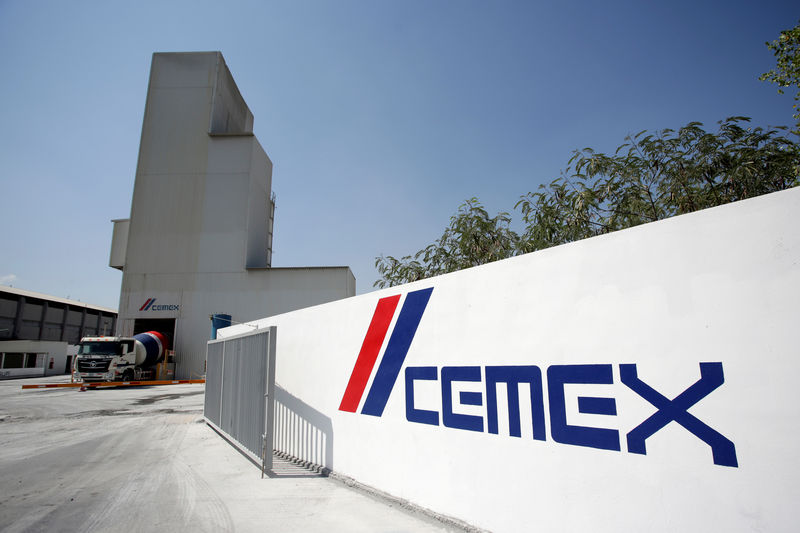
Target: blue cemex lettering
[[557, 376], [420, 415], [711, 377], [512, 376], [449, 418]]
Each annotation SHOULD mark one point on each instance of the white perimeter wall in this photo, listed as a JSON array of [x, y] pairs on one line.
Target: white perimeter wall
[[720, 285]]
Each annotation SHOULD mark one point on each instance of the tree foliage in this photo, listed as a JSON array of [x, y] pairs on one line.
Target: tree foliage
[[655, 176], [472, 238], [650, 177], [787, 72]]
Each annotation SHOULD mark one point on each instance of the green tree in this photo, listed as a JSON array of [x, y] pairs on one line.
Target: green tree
[[787, 72], [650, 177], [472, 238], [655, 176]]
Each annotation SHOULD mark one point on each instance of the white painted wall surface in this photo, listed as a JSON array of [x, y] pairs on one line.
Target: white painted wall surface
[[119, 243], [53, 351], [721, 285], [244, 296]]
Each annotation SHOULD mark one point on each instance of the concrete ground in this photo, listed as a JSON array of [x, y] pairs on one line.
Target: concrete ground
[[142, 459]]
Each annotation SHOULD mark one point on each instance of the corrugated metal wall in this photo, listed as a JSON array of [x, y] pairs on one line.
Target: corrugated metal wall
[[31, 316], [239, 393]]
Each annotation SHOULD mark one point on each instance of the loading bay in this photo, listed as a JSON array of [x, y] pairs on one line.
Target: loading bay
[[143, 459]]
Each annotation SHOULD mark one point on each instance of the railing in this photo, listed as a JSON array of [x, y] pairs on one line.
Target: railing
[[239, 396]]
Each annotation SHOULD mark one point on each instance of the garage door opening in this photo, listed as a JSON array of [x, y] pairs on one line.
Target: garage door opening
[[165, 326]]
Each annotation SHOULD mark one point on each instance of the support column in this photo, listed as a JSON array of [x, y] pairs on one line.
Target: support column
[[83, 325], [45, 307], [63, 336], [15, 334]]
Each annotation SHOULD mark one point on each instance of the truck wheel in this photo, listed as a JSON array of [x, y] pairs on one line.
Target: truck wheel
[[127, 375]]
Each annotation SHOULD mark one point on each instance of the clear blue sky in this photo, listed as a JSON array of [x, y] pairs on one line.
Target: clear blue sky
[[380, 117]]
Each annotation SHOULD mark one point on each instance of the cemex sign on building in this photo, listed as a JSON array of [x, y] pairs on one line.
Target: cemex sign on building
[[640, 380], [198, 241]]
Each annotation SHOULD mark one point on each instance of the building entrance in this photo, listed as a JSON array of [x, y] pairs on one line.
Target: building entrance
[[165, 326]]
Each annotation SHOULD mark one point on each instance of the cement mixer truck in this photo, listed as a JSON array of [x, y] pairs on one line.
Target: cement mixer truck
[[136, 358]]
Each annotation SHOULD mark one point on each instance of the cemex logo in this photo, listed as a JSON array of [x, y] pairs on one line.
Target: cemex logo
[[148, 306], [393, 357], [557, 376]]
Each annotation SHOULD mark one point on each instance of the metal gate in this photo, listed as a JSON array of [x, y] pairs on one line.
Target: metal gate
[[240, 391]]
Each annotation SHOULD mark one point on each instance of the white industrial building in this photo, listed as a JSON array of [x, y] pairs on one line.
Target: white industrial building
[[39, 333], [199, 238]]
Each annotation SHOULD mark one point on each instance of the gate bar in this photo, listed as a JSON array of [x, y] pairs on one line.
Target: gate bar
[[98, 384]]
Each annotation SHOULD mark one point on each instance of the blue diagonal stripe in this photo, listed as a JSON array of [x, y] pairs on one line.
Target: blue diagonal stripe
[[396, 350]]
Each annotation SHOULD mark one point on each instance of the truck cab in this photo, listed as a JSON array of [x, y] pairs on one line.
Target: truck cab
[[106, 359]]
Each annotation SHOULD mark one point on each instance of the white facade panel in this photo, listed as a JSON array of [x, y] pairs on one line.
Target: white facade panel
[[184, 70], [119, 243], [230, 154], [230, 114], [167, 214], [259, 208], [175, 131]]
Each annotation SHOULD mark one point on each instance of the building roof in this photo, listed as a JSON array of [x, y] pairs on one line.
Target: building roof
[[71, 303]]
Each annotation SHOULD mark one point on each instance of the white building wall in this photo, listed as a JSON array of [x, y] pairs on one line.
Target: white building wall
[[245, 296], [119, 243], [52, 358], [719, 286], [198, 231]]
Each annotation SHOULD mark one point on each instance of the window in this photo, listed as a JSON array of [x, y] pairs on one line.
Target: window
[[100, 348], [13, 360], [34, 360]]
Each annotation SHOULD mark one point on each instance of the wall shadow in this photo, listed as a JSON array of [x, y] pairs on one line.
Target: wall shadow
[[303, 438]]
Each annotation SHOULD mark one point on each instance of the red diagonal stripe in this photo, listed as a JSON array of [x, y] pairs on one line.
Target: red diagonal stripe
[[370, 348], [145, 304]]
